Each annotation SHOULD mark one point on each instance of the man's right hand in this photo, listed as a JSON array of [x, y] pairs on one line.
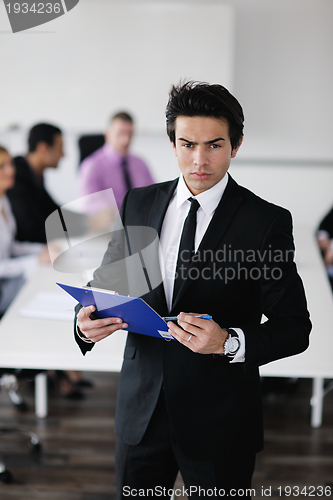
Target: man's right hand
[[98, 329]]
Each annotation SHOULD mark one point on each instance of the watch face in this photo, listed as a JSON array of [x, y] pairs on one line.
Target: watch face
[[232, 345]]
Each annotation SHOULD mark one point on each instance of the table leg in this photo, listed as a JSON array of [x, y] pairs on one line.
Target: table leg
[[317, 401], [41, 395]]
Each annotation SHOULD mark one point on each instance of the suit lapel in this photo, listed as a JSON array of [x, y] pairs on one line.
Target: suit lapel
[[159, 207], [224, 213]]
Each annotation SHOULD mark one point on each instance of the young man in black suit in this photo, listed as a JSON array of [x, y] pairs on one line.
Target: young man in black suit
[[195, 405]]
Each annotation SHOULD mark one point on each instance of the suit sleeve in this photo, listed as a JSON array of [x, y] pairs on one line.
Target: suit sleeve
[[282, 298], [84, 346]]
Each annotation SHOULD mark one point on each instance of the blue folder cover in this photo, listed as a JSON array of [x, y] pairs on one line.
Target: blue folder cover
[[141, 318]]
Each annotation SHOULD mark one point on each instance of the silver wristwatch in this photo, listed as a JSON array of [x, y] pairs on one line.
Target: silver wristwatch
[[232, 344]]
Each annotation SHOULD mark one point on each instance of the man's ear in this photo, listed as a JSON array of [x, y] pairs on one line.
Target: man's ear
[[174, 148], [235, 150], [41, 147]]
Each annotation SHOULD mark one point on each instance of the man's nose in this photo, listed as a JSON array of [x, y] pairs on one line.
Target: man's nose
[[200, 157]]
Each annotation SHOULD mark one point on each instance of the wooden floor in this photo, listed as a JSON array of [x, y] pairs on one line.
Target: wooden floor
[[77, 460]]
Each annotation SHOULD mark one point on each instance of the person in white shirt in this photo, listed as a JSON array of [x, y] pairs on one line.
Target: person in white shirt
[[18, 260]]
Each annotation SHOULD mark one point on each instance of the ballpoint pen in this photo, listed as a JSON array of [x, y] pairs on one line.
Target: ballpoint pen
[[173, 318]]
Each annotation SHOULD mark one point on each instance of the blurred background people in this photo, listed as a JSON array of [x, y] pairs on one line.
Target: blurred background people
[[31, 203], [18, 259], [325, 240], [112, 166]]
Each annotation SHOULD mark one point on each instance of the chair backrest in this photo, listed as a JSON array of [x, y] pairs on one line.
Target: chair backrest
[[88, 144]]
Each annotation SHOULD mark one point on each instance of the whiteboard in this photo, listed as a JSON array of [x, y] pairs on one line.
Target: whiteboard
[[102, 56]]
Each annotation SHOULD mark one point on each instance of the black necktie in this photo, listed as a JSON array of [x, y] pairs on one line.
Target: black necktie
[[127, 179], [186, 247]]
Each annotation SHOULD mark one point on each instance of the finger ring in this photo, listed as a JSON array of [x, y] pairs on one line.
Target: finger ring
[[189, 338]]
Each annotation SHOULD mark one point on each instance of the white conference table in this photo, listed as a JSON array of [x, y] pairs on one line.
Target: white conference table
[[317, 361], [49, 344]]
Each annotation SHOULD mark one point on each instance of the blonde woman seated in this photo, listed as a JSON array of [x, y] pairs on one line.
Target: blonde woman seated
[[18, 260]]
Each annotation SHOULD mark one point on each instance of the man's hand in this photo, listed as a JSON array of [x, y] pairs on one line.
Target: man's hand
[[98, 329], [44, 256], [200, 335]]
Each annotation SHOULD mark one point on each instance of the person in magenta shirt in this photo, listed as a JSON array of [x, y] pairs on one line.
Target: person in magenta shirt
[[112, 166]]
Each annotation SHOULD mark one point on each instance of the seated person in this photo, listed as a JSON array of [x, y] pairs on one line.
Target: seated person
[[30, 201], [17, 259], [325, 240]]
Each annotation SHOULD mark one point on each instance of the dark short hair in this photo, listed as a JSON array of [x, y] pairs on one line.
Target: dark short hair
[[42, 132], [3, 152], [122, 115], [203, 99]]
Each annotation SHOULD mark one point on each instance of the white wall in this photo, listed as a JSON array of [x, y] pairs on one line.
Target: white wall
[[304, 190], [104, 56], [284, 77], [283, 66], [283, 74]]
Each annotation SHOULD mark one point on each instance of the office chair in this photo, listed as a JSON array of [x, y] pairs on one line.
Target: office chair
[[88, 144], [9, 384]]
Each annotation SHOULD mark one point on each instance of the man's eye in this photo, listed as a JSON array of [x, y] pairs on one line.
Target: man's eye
[[215, 146], [187, 145]]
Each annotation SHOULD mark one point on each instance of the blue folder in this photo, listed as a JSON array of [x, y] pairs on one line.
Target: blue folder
[[141, 318]]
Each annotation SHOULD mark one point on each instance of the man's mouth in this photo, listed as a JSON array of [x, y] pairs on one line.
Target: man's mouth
[[201, 175]]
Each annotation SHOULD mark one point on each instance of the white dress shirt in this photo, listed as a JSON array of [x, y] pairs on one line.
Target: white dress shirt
[[15, 257], [172, 228]]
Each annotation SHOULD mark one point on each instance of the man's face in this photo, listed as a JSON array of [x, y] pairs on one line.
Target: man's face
[[119, 135], [203, 150], [52, 154]]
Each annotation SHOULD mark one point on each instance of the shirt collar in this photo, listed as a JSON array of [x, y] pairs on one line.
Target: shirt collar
[[111, 152], [208, 199]]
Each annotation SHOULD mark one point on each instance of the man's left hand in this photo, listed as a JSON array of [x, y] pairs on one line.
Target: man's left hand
[[200, 335]]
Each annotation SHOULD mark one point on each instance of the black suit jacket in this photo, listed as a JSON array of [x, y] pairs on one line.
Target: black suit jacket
[[31, 203], [214, 405]]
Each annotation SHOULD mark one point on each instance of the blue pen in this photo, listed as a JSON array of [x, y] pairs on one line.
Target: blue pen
[[173, 318]]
